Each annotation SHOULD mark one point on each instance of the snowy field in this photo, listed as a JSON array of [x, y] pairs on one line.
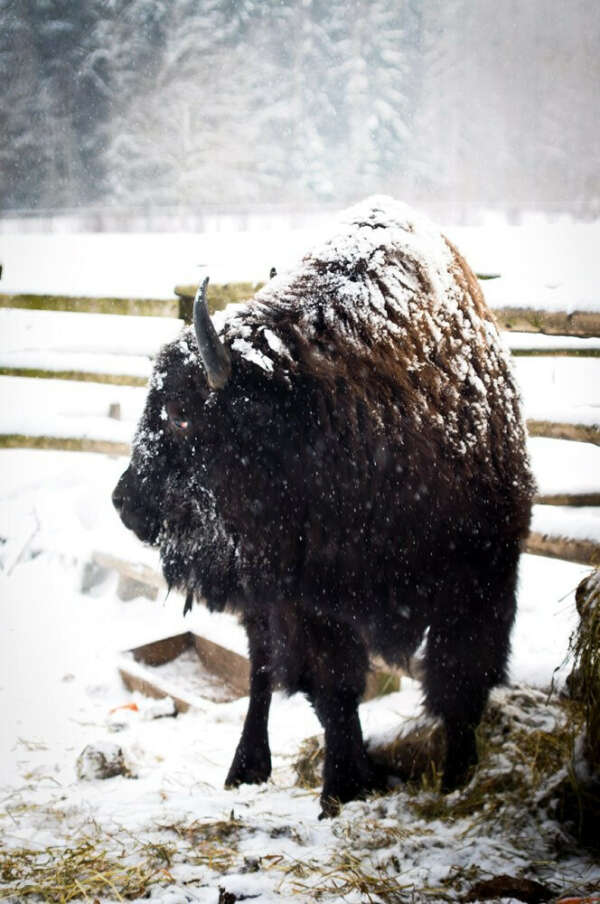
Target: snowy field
[[60, 647], [550, 265]]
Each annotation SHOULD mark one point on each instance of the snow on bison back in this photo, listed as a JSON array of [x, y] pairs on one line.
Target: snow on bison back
[[343, 463]]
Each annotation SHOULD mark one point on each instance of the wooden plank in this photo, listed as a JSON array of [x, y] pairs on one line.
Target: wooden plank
[[80, 375], [583, 433], [230, 667], [63, 444], [218, 295], [137, 571], [558, 323], [573, 500], [576, 432], [555, 352], [158, 652], [585, 552], [149, 688], [138, 307]]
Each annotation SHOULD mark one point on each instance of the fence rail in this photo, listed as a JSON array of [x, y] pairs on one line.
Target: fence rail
[[580, 324], [551, 324]]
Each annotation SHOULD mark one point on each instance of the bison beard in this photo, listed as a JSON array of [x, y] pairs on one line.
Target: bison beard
[[344, 466]]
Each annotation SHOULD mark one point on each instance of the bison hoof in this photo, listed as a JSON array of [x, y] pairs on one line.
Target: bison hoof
[[460, 764], [330, 807], [249, 768], [336, 793], [456, 778]]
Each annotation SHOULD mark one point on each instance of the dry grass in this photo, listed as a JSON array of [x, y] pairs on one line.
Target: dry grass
[[516, 760], [99, 864], [83, 871], [585, 645]]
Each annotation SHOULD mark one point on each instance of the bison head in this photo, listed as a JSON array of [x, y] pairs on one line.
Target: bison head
[[166, 495], [207, 465]]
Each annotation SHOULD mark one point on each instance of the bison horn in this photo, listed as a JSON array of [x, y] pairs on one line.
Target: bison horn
[[215, 357]]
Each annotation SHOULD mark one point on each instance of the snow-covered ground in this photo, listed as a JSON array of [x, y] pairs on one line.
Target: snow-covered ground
[[554, 266], [59, 685]]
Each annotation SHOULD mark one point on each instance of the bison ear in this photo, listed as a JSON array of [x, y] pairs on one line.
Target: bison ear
[[215, 357]]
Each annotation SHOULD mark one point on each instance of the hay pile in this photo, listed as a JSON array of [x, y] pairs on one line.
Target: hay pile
[[580, 791], [585, 645]]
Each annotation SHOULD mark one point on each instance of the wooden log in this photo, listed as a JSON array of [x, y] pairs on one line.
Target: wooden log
[[555, 352], [573, 500], [585, 552], [138, 307], [556, 323], [64, 444], [582, 433], [82, 376]]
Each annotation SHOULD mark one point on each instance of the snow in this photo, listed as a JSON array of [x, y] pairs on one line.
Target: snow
[[63, 332], [545, 265], [561, 466], [127, 265], [66, 408], [559, 521], [551, 265], [541, 342]]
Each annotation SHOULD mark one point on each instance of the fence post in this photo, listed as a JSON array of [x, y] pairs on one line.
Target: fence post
[[186, 305]]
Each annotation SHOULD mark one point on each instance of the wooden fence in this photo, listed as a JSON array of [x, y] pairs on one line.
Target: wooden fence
[[583, 325]]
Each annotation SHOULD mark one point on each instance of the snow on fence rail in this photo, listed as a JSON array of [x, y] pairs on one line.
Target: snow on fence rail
[[576, 324]]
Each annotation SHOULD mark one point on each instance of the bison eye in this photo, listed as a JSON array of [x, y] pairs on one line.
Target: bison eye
[[177, 417]]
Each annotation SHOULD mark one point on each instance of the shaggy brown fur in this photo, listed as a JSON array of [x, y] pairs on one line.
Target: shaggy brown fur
[[361, 478]]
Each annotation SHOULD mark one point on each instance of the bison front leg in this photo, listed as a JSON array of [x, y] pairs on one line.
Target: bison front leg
[[347, 773], [252, 760], [337, 662]]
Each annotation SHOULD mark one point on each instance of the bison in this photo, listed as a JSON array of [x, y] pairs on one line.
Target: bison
[[342, 462]]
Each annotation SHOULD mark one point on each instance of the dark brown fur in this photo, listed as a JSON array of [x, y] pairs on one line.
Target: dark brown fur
[[355, 493]]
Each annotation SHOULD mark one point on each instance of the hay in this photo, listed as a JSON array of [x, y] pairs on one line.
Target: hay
[[84, 870], [523, 744], [578, 794], [309, 763], [585, 645]]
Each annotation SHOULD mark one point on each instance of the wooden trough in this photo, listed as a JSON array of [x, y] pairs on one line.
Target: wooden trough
[[201, 669], [187, 668]]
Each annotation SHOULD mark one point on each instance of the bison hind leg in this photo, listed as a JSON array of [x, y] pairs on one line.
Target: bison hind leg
[[466, 656]]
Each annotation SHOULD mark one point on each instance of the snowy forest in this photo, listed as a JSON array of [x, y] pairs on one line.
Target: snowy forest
[[189, 103]]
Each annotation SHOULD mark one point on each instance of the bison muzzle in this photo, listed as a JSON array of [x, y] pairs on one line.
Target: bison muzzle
[[342, 462]]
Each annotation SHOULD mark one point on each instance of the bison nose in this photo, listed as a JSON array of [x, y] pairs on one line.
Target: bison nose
[[133, 513], [118, 495]]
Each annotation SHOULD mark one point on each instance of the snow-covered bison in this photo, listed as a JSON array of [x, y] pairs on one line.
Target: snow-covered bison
[[343, 463]]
